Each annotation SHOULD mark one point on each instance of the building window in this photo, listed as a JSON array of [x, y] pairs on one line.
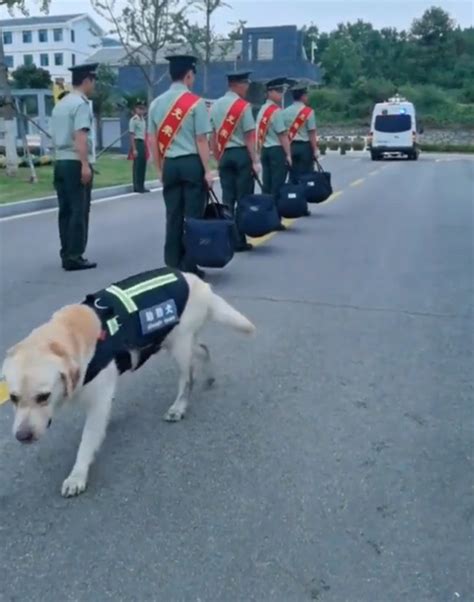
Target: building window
[[265, 49], [28, 60], [73, 36], [58, 35], [27, 37], [9, 61], [7, 37], [73, 59], [58, 59], [44, 60], [43, 35]]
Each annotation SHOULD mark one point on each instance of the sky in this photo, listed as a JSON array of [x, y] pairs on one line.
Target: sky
[[326, 14]]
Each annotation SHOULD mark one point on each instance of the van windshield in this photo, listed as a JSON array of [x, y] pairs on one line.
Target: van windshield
[[393, 123]]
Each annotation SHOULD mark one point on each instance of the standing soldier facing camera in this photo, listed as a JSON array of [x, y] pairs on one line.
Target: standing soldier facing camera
[[137, 129], [71, 125], [233, 144], [272, 139], [301, 124]]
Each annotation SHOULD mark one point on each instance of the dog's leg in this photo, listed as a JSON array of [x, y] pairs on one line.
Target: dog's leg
[[98, 399], [202, 356], [182, 352]]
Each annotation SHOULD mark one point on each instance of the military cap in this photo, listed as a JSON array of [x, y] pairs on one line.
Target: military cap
[[300, 87], [182, 61], [278, 84], [86, 70], [140, 102], [242, 76]]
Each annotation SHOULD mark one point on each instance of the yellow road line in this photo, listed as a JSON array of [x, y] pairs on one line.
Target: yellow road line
[[257, 242], [4, 394], [333, 197], [357, 182]]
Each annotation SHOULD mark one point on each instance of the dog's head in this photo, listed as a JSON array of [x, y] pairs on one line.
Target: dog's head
[[40, 376]]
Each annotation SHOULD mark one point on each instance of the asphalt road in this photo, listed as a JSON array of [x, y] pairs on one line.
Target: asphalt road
[[333, 461]]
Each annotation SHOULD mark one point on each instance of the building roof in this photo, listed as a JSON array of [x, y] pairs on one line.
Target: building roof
[[51, 19], [224, 50]]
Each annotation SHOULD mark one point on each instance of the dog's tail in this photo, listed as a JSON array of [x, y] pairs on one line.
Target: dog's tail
[[222, 312]]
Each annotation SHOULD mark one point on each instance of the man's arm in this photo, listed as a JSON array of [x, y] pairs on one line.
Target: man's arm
[[313, 139], [157, 159], [285, 142], [82, 125], [282, 132], [202, 129], [133, 146]]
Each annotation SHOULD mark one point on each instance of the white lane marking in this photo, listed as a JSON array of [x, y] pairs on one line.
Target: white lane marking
[[97, 202]]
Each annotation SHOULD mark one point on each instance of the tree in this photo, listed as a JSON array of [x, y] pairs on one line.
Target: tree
[[7, 112], [144, 28], [341, 61], [237, 31], [433, 28], [30, 76], [104, 100], [204, 42]]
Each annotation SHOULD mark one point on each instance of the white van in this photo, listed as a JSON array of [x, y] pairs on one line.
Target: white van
[[393, 129]]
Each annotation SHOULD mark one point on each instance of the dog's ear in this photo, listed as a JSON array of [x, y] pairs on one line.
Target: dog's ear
[[70, 373]]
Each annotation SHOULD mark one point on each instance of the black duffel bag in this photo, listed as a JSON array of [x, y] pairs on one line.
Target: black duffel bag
[[317, 185], [292, 201], [210, 241], [257, 214]]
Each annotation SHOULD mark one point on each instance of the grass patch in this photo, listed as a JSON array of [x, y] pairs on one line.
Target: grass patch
[[448, 148], [113, 171]]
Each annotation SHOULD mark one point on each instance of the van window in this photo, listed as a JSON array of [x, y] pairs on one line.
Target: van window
[[393, 123]]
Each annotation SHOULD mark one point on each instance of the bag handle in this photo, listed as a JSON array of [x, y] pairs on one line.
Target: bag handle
[[319, 166], [213, 201], [257, 179]]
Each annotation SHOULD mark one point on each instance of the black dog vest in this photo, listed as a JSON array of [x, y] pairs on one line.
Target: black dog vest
[[137, 314]]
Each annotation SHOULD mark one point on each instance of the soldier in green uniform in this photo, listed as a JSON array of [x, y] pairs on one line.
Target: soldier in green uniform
[[304, 148], [238, 162], [71, 125], [184, 165], [275, 146], [137, 130]]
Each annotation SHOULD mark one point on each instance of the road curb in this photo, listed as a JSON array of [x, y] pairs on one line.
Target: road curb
[[50, 202]]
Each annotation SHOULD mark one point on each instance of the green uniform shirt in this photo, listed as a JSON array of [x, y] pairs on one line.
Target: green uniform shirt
[[218, 113], [290, 113], [277, 125], [70, 114], [137, 126], [195, 123]]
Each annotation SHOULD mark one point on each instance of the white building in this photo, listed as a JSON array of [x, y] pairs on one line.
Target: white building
[[54, 43]]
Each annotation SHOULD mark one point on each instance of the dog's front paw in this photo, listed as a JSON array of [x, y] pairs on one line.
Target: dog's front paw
[[174, 414], [75, 484]]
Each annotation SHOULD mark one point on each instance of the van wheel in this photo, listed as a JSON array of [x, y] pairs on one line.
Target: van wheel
[[413, 157], [375, 156]]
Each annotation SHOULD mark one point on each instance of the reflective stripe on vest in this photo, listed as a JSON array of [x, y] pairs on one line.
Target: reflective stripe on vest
[[125, 296]]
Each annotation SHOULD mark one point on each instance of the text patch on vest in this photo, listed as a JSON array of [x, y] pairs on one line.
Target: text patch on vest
[[159, 316]]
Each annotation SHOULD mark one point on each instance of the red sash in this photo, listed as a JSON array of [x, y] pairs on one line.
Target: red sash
[[224, 134], [264, 124], [298, 122], [172, 122]]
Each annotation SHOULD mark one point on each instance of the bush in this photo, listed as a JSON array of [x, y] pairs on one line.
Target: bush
[[333, 144], [322, 146], [358, 144]]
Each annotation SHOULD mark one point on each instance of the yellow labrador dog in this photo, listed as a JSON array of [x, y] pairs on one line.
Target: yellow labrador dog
[[78, 355]]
